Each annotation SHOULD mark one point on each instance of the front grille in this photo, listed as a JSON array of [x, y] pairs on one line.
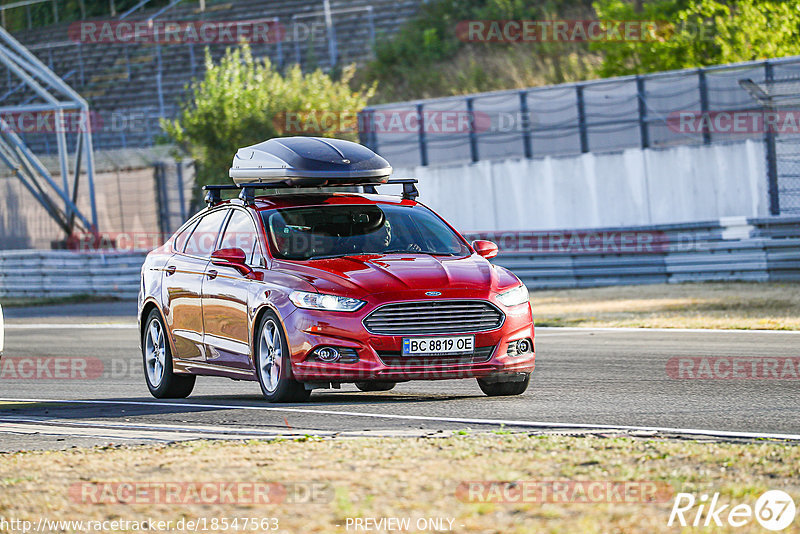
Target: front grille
[[396, 359], [434, 317]]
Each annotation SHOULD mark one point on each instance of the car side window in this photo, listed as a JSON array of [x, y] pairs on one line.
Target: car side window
[[180, 239], [204, 238], [241, 233]]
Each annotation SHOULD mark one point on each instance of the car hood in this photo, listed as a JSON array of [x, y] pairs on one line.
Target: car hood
[[356, 276]]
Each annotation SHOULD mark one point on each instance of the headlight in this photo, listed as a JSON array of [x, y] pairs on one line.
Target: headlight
[[318, 301], [515, 296]]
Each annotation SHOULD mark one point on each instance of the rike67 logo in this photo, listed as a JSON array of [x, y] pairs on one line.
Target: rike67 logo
[[774, 510]]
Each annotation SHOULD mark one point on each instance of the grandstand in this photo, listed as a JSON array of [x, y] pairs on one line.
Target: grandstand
[[131, 85]]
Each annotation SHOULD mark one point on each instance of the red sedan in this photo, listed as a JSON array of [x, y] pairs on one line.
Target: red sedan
[[306, 291]]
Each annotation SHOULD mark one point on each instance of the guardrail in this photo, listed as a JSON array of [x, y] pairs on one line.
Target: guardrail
[[738, 249], [37, 274]]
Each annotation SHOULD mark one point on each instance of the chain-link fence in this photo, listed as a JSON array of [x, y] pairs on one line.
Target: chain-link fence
[[688, 107], [137, 208], [781, 96], [787, 154]]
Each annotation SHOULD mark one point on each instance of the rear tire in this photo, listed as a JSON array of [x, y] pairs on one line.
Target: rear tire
[[162, 381], [504, 389], [375, 386], [273, 364]]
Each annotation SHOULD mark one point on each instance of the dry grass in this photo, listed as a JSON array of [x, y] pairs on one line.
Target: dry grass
[[770, 306], [393, 477]]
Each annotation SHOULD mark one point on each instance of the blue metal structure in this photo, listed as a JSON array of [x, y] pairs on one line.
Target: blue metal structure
[[51, 94]]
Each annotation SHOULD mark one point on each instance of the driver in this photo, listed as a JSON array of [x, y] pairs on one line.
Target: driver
[[380, 239]]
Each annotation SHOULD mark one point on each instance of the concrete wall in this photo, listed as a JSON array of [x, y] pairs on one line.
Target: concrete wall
[[634, 187]]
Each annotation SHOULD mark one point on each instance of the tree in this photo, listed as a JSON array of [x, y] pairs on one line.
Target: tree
[[428, 58], [693, 34], [242, 101]]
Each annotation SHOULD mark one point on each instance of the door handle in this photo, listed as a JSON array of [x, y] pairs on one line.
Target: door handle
[[170, 270], [211, 274]]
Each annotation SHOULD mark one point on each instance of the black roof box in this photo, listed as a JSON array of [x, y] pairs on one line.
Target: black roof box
[[308, 161]]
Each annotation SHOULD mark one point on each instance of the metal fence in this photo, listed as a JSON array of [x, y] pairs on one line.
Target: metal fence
[[37, 274], [594, 116], [134, 205], [756, 250], [310, 40], [176, 197]]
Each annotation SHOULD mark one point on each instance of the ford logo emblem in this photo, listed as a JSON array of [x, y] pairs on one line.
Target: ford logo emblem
[[433, 293]]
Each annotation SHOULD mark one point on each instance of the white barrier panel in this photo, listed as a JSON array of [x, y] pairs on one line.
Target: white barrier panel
[[630, 188]]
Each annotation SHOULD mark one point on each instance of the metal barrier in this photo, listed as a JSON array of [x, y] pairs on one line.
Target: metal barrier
[[36, 274], [739, 249], [757, 250], [685, 107]]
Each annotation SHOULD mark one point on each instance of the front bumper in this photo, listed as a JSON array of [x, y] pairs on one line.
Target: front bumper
[[379, 355]]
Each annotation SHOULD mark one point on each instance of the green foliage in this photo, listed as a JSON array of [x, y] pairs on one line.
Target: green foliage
[[242, 101], [426, 58], [68, 10], [700, 33]]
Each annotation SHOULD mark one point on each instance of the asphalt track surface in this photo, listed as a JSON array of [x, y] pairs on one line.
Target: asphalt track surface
[[584, 379]]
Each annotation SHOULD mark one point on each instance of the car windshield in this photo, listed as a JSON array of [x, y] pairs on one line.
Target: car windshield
[[344, 230]]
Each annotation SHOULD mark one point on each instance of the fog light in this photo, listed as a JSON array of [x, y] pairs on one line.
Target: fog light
[[519, 347], [327, 354]]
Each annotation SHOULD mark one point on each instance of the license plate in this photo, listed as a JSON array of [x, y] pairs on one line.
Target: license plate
[[438, 345]]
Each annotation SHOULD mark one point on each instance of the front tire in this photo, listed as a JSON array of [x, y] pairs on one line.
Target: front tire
[[273, 364], [162, 381], [504, 389]]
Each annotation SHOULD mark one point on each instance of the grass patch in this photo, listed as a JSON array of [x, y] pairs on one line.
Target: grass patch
[[393, 477], [48, 301], [734, 305]]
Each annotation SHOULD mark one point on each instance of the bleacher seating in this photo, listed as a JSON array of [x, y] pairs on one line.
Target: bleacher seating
[[120, 81]]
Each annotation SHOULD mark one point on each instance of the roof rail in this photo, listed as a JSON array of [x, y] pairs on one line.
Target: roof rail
[[247, 191]]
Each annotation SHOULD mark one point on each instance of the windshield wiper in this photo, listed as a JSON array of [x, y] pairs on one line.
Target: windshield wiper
[[427, 252], [331, 256], [393, 251]]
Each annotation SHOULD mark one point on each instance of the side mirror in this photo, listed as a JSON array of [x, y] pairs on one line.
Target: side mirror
[[231, 257], [487, 249]]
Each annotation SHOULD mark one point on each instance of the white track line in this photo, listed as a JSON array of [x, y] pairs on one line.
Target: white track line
[[163, 432], [565, 329], [459, 420]]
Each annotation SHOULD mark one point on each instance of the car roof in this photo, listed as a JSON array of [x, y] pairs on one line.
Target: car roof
[[291, 200]]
